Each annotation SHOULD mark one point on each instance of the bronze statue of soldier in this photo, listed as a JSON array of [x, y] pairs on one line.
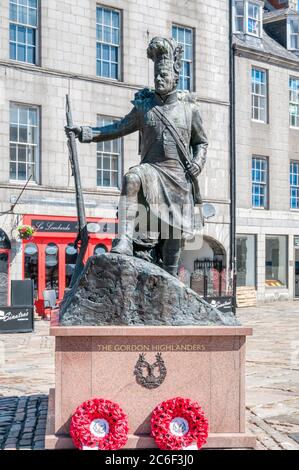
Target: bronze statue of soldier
[[173, 153]]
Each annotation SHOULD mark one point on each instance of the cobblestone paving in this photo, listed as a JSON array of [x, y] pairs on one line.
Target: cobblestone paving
[[272, 373], [23, 422], [272, 380]]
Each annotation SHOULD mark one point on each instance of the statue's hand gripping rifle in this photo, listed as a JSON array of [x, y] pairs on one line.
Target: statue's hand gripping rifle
[[82, 236]]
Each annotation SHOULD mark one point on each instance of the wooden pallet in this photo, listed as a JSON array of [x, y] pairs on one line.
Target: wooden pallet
[[246, 297]]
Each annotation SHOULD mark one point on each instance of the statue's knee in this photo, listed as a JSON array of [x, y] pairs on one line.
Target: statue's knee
[[132, 181]]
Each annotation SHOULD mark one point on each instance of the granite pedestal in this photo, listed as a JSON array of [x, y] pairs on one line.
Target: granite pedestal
[[203, 363]]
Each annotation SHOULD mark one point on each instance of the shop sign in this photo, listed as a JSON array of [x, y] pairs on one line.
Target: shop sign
[[66, 226], [16, 319], [224, 303]]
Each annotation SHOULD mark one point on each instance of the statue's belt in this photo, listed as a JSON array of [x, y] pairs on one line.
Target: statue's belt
[[183, 152]]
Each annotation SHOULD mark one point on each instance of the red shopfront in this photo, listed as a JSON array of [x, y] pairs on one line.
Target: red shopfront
[[49, 257]]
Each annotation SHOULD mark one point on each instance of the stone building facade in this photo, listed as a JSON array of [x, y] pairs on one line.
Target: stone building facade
[[97, 54], [267, 149]]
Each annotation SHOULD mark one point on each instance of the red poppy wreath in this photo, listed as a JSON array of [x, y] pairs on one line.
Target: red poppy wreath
[[99, 424], [178, 423]]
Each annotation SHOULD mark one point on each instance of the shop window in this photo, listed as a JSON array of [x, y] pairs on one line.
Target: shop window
[[31, 265], [4, 265], [52, 267], [70, 262], [100, 249], [276, 260], [246, 260]]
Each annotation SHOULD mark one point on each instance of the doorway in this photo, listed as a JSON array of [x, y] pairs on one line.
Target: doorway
[[296, 273]]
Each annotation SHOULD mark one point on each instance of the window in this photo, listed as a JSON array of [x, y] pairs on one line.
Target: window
[[24, 142], [254, 19], [259, 98], [260, 182], [294, 101], [293, 39], [184, 36], [100, 249], [108, 42], [71, 255], [31, 264], [23, 30], [108, 158], [276, 260], [294, 185], [4, 278], [239, 16], [246, 260], [247, 17], [52, 271]]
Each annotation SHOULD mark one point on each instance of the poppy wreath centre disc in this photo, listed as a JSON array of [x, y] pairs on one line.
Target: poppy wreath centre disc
[[99, 424], [178, 423]]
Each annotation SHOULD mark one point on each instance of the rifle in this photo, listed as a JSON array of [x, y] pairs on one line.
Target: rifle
[[82, 235]]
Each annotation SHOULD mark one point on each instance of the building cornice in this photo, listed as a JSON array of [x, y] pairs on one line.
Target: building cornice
[[93, 192], [243, 51], [91, 79]]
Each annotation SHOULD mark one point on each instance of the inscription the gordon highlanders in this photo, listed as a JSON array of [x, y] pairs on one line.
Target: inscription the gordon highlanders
[[150, 347]]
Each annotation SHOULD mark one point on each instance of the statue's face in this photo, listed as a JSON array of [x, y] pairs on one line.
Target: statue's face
[[164, 80]]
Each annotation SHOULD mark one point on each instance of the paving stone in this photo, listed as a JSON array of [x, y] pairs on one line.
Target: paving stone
[[19, 417], [27, 434], [11, 442], [13, 434], [39, 446], [40, 434], [16, 427], [25, 442]]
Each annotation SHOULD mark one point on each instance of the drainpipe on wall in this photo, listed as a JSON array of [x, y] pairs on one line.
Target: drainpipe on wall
[[232, 139]]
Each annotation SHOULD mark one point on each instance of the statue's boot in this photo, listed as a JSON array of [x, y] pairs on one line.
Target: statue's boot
[[171, 269], [123, 244], [171, 253]]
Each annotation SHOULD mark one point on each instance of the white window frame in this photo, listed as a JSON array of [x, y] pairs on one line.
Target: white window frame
[[294, 186], [184, 60], [27, 26], [235, 30], [262, 184], [36, 176], [106, 120], [260, 96], [289, 42], [260, 19], [293, 103], [119, 46]]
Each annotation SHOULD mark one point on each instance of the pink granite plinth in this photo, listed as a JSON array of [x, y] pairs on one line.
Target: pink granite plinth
[[206, 364]]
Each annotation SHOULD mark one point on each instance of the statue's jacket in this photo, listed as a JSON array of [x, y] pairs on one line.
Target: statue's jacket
[[167, 189]]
